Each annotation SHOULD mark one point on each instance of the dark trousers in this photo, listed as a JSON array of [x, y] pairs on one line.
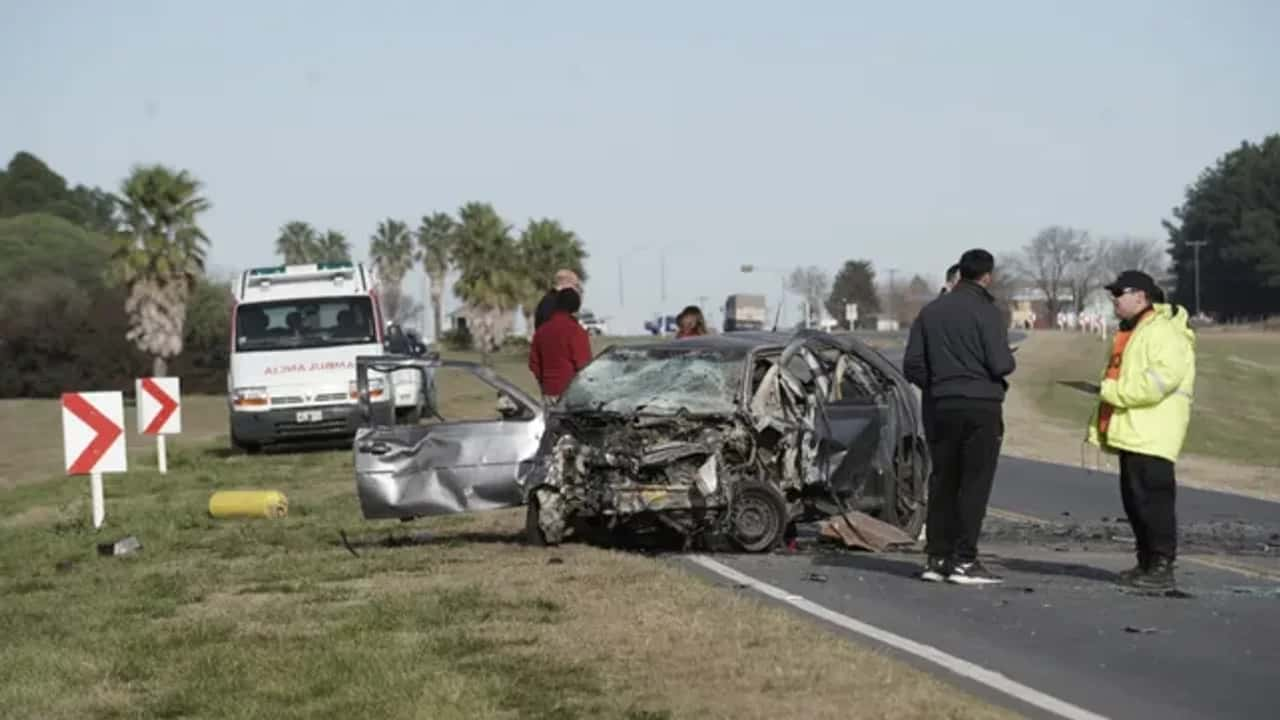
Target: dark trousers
[[1149, 491], [965, 448]]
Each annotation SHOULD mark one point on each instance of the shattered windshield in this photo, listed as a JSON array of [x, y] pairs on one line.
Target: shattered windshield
[[657, 381]]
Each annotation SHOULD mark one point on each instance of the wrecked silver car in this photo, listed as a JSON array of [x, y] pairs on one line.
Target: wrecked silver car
[[735, 437]]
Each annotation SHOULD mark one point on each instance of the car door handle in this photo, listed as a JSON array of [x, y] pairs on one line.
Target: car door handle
[[375, 448]]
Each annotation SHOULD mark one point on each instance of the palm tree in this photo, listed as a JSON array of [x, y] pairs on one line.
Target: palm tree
[[435, 243], [544, 248], [332, 247], [297, 243], [159, 254], [489, 281], [391, 248]]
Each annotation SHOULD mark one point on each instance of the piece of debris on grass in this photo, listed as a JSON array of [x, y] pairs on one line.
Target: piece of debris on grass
[[861, 531], [347, 543], [817, 577], [555, 561], [123, 546]]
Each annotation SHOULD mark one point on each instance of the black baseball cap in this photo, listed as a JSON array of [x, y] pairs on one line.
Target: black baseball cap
[[1135, 280]]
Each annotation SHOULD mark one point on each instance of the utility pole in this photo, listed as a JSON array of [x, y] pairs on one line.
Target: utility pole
[[662, 270], [1197, 244], [889, 312]]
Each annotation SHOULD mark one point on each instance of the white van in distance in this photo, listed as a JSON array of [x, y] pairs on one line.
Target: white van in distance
[[296, 331]]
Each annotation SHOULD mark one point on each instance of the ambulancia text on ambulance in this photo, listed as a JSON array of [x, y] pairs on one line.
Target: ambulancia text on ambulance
[[296, 331]]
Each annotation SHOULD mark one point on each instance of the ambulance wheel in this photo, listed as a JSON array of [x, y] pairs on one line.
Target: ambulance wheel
[[248, 448]]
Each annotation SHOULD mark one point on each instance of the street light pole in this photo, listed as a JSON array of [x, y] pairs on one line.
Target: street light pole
[[782, 275], [1197, 244]]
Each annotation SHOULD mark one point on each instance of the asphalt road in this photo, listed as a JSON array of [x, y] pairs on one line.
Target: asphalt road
[[1059, 624]]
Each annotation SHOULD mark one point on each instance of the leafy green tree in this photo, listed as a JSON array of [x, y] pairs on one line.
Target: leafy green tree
[[1234, 208], [27, 185], [332, 247], [435, 246], [855, 283], [490, 280], [159, 255], [545, 247], [297, 243], [392, 251], [206, 353], [36, 243]]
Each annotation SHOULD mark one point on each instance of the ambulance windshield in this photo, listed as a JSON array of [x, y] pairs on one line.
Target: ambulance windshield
[[304, 323]]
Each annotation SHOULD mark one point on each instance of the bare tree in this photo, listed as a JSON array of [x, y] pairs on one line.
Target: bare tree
[[1054, 262], [1089, 272], [1134, 253], [813, 285]]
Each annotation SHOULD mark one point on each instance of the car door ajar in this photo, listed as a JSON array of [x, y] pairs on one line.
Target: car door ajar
[[407, 471]]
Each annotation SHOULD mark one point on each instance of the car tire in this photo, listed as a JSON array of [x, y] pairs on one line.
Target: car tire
[[757, 516]]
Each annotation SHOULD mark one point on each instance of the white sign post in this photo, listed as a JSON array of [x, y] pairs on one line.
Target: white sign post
[[159, 412], [93, 440], [851, 313]]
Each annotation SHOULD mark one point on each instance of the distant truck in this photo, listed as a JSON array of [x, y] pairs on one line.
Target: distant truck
[[744, 311]]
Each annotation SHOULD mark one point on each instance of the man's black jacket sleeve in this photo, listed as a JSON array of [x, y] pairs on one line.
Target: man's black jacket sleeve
[[995, 339], [914, 362]]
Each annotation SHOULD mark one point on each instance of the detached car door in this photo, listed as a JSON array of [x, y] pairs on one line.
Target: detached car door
[[444, 467]]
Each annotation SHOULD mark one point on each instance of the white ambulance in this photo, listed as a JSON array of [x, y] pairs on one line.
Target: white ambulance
[[296, 331]]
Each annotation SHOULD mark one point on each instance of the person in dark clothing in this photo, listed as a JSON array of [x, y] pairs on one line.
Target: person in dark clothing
[[949, 281], [565, 278], [560, 348], [690, 323], [958, 355]]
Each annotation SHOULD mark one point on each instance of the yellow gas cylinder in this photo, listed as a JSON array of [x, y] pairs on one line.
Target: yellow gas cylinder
[[248, 503]]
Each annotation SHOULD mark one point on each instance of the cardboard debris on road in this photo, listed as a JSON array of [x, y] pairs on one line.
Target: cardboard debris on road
[[861, 531]]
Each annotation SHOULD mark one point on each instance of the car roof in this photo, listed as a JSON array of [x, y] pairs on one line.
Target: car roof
[[736, 342]]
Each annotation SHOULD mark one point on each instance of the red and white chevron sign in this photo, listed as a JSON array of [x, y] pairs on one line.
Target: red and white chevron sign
[[93, 433], [159, 406]]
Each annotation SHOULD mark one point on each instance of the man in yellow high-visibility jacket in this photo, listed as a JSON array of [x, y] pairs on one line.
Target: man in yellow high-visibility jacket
[[1142, 415]]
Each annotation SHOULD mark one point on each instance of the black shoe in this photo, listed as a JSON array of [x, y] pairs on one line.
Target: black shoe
[[972, 573], [1128, 576], [1157, 577], [936, 569]]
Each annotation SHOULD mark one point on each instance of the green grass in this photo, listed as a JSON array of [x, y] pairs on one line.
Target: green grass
[[1237, 389], [446, 618]]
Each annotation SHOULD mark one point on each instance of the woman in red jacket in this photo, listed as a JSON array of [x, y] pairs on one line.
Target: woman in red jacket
[[560, 347]]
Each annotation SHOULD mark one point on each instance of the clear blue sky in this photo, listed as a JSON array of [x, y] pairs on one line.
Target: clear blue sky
[[726, 132]]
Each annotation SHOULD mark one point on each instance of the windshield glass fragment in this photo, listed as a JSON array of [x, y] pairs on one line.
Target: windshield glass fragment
[[657, 381]]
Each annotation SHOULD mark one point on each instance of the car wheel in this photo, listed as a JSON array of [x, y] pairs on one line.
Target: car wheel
[[758, 516]]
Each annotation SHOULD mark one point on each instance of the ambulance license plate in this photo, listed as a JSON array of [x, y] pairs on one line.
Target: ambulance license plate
[[310, 416]]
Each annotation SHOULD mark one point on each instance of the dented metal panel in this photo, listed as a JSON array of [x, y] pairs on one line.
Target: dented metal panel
[[421, 470]]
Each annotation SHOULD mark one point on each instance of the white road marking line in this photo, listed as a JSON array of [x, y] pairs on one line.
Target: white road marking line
[[959, 666]]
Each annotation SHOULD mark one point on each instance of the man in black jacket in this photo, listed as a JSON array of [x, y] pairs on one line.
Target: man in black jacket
[[958, 354]]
